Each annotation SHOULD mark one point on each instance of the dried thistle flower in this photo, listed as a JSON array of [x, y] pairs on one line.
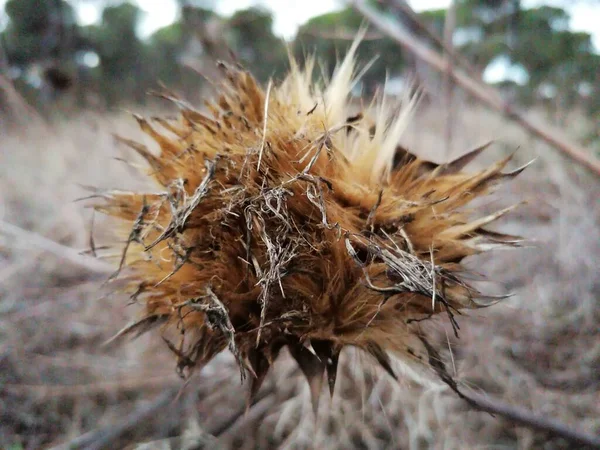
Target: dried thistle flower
[[283, 220]]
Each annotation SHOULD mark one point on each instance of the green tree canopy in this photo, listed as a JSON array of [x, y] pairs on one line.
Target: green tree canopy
[[250, 35], [537, 39], [39, 31], [122, 54], [318, 36]]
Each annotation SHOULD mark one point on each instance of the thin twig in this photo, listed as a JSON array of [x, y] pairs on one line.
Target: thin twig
[[106, 437], [258, 410], [404, 10], [526, 418], [69, 254], [484, 93], [18, 111], [449, 26], [515, 414], [223, 425]]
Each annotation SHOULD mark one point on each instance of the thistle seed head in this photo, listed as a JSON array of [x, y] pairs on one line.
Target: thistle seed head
[[280, 218]]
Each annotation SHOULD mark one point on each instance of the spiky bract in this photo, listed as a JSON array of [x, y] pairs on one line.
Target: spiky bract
[[282, 219]]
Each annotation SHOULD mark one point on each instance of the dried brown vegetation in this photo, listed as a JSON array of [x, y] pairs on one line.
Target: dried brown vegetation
[[538, 349], [282, 219]]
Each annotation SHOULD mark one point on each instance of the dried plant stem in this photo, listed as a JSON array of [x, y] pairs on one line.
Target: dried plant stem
[[449, 27], [404, 9], [17, 110], [69, 254], [222, 427], [526, 418], [485, 94], [106, 437]]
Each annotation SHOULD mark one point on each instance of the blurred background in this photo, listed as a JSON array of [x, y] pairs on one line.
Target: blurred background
[[70, 70], [98, 54]]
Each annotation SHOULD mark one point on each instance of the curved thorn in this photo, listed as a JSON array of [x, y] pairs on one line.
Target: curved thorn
[[259, 366], [382, 357], [312, 368], [329, 355]]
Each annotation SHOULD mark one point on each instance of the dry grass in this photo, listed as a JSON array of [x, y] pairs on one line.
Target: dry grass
[[539, 349]]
